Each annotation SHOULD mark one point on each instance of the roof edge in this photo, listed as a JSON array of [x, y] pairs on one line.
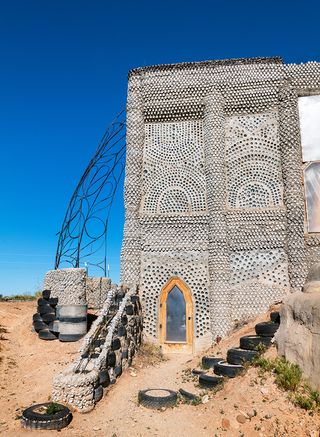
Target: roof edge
[[219, 62]]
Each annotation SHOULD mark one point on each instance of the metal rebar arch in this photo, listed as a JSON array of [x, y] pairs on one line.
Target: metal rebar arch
[[83, 234]]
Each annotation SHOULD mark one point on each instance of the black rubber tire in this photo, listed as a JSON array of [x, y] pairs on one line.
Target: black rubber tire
[[38, 326], [45, 334], [33, 420], [111, 359], [209, 362], [49, 317], [116, 344], [129, 310], [275, 317], [148, 400], [188, 395], [124, 319], [53, 301], [118, 371], [266, 329], [42, 301], [229, 370], [241, 356], [98, 393], [122, 332], [54, 327], [134, 298], [209, 381], [252, 342], [44, 309], [104, 378], [36, 317], [124, 354], [46, 294], [197, 372]]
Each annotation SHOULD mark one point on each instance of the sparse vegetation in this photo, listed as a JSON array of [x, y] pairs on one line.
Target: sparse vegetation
[[150, 354], [53, 408], [20, 297], [288, 376]]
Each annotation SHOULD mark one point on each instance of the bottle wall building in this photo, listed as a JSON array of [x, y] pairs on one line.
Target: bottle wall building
[[222, 192]]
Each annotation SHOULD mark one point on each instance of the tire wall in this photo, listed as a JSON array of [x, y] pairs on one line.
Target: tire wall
[[106, 350]]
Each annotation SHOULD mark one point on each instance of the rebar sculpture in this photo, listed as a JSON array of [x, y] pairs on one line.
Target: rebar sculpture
[[84, 229]]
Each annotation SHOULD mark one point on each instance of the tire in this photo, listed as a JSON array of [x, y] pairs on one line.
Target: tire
[[31, 419], [54, 326], [209, 362], [122, 332], [197, 372], [129, 310], [104, 378], [49, 317], [111, 359], [116, 344], [98, 393], [53, 301], [36, 317], [42, 301], [148, 400], [45, 334], [188, 395], [252, 342], [124, 354], [46, 294], [230, 370], [124, 319], [38, 326], [43, 309], [275, 317], [134, 299], [266, 329], [240, 356], [209, 381], [118, 371]]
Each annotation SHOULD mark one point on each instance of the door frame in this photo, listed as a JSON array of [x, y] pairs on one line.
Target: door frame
[[170, 346]]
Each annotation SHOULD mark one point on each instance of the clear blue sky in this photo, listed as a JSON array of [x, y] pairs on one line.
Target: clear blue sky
[[63, 77]]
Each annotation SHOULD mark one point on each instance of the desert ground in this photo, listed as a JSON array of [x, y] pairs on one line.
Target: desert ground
[[250, 405]]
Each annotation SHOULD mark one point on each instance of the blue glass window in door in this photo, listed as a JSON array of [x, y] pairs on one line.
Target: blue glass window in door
[[176, 316]]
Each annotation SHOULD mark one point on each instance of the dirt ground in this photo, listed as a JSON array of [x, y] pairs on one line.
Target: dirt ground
[[27, 365]]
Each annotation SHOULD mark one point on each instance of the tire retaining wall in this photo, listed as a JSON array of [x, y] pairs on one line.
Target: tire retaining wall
[[106, 350]]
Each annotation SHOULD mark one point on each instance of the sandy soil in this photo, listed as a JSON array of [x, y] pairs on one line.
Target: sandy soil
[[28, 365]]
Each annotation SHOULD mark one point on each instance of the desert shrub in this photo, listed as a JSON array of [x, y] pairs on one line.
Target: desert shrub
[[150, 353], [288, 375], [303, 401], [53, 408], [264, 364]]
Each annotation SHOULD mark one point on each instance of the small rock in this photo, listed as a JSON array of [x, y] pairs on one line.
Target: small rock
[[251, 414], [264, 390], [205, 399], [96, 428], [268, 416], [241, 418], [225, 423], [133, 374]]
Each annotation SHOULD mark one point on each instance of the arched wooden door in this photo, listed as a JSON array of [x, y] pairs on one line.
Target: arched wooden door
[[176, 317]]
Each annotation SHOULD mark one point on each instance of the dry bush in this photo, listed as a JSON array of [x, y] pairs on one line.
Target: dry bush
[[149, 354]]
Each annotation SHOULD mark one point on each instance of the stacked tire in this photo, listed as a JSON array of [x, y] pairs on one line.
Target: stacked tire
[[45, 321], [250, 348]]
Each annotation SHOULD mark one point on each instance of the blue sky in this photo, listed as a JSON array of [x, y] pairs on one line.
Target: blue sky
[[63, 77]]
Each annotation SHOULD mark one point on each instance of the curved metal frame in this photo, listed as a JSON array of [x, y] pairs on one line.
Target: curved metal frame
[[84, 229]]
